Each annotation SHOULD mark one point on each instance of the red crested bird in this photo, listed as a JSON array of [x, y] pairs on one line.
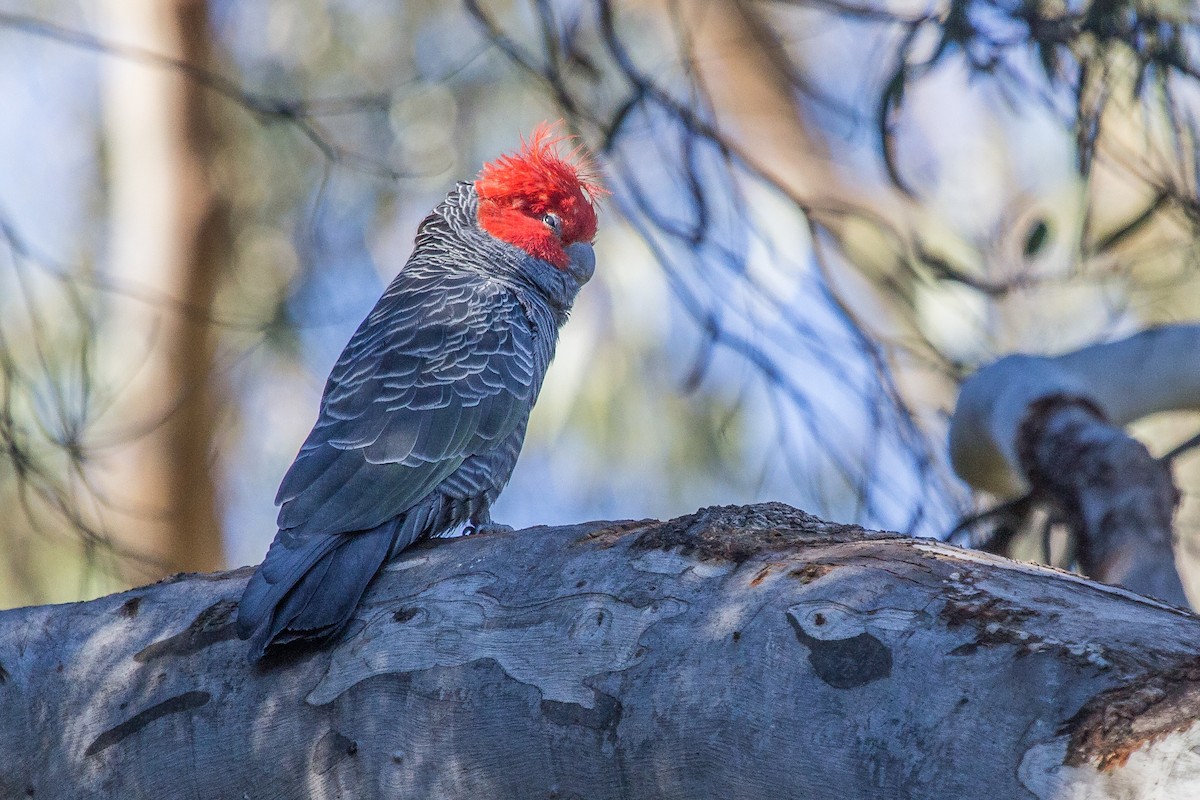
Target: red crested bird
[[424, 414]]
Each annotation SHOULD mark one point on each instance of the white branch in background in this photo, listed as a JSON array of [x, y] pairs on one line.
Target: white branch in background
[[740, 652], [1152, 371], [1055, 426]]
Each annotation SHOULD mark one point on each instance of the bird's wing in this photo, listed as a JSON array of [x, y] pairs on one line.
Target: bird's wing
[[443, 368]]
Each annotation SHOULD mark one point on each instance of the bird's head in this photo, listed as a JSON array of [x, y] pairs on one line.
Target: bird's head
[[541, 201]]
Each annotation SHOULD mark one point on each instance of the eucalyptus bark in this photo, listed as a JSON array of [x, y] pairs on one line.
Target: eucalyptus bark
[[736, 653]]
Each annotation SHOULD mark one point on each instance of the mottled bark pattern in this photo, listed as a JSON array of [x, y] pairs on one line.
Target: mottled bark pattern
[[750, 652]]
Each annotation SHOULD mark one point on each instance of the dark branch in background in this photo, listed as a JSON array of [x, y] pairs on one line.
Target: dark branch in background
[[1134, 225], [702, 258], [1006, 518], [1080, 55], [44, 440], [1180, 449], [297, 113]]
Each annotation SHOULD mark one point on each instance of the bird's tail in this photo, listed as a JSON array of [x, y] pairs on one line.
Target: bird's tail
[[309, 591]]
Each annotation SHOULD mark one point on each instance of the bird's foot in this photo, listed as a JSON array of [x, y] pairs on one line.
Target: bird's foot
[[473, 528]]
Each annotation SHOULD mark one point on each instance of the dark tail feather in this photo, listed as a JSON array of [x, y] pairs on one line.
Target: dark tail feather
[[310, 592]]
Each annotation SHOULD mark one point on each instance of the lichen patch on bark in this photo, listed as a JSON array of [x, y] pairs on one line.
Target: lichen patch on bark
[[995, 620], [811, 572], [1000, 621], [738, 533], [213, 624], [845, 663], [130, 607]]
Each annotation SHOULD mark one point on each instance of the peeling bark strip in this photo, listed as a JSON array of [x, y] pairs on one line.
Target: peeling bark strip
[[1117, 723], [605, 715], [1118, 498], [704, 657]]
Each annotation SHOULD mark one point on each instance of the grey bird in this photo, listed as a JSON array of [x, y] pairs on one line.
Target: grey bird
[[425, 411]]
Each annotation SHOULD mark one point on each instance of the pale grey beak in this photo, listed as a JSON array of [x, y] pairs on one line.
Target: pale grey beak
[[583, 262]]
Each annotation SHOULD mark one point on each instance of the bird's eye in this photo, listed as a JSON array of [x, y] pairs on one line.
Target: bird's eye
[[554, 223]]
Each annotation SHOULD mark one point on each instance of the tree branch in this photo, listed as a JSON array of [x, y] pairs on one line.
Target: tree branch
[[1118, 499], [738, 652], [1054, 426], [1126, 380]]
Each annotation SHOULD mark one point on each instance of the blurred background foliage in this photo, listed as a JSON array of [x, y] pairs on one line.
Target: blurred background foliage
[[824, 215]]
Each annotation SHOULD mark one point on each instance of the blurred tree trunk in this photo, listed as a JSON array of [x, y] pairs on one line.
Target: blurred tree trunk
[[740, 652], [169, 239]]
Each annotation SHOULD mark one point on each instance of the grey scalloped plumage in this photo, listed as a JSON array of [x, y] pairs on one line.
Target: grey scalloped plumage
[[420, 424]]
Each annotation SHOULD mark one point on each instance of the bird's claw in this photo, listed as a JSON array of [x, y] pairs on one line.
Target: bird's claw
[[473, 528]]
